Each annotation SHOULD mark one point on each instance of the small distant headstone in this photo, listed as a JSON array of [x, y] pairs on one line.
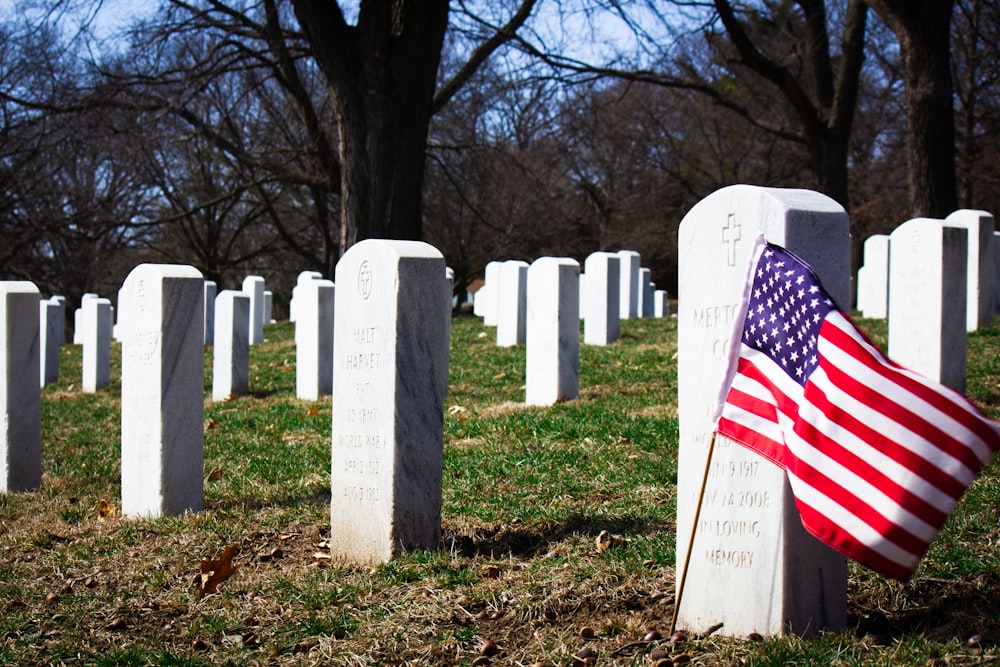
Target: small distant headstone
[[78, 318], [61, 323], [388, 400], [314, 339], [491, 297], [981, 273], [601, 324], [268, 307], [48, 331], [754, 568], [210, 292], [231, 354], [873, 278], [661, 304], [96, 344], [552, 363], [162, 390], [628, 302], [646, 289], [303, 277], [927, 299], [254, 287], [20, 400], [512, 303]]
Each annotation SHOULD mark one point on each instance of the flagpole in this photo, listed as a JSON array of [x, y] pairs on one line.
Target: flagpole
[[694, 529]]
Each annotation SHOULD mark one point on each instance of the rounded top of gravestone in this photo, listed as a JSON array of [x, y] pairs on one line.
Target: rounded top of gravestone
[[18, 287], [306, 276], [166, 271], [415, 249], [969, 216]]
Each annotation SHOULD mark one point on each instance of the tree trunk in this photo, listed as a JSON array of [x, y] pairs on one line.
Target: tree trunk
[[383, 74], [923, 30]]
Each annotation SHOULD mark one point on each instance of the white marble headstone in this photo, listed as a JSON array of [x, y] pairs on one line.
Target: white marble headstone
[[231, 353], [661, 304], [48, 331], [491, 296], [753, 567], [163, 385], [927, 299], [254, 287], [512, 303], [873, 278], [211, 289], [314, 339], [552, 357], [388, 400], [96, 344], [601, 319], [981, 271], [628, 302], [646, 289], [301, 279], [20, 394]]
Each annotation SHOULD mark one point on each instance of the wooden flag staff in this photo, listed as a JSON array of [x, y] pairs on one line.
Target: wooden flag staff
[[694, 529]]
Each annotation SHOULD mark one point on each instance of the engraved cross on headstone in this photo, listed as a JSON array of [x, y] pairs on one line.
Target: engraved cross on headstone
[[730, 235]]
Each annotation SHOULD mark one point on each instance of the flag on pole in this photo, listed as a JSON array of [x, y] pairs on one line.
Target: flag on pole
[[877, 456]]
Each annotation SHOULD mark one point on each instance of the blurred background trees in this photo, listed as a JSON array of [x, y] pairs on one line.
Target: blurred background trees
[[219, 133]]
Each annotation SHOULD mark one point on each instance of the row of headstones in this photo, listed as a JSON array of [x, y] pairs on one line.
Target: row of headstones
[[935, 280], [93, 329], [754, 568], [613, 287]]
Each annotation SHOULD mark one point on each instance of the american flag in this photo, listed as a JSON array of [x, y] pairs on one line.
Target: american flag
[[877, 456]]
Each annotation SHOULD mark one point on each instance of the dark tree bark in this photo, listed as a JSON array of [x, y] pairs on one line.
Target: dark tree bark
[[382, 73], [824, 99], [923, 29]]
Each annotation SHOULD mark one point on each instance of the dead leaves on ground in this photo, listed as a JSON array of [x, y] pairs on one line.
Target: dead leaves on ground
[[214, 572]]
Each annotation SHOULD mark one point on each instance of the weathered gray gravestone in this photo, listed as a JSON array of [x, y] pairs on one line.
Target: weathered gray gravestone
[[48, 331], [512, 303], [388, 400], [552, 357], [231, 353], [980, 273], [20, 395], [927, 299], [314, 339], [211, 290], [96, 344], [753, 567], [873, 280], [601, 323], [162, 390]]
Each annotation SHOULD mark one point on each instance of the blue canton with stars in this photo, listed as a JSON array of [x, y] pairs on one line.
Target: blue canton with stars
[[786, 309]]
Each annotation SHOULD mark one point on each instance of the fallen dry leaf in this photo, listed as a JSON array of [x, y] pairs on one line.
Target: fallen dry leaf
[[210, 424], [105, 510], [313, 412], [607, 541], [214, 572], [215, 474]]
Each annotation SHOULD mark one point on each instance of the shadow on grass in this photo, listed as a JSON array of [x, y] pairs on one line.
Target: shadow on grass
[[526, 541], [966, 611], [320, 496]]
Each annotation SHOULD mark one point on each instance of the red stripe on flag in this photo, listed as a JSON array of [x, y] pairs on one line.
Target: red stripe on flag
[[852, 504], [965, 413], [819, 525]]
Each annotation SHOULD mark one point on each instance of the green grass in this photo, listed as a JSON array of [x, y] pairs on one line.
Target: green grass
[[526, 492]]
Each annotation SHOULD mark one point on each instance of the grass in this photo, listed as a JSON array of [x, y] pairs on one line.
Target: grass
[[526, 492]]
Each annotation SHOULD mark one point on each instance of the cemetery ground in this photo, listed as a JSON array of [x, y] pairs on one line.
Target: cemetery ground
[[524, 574]]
